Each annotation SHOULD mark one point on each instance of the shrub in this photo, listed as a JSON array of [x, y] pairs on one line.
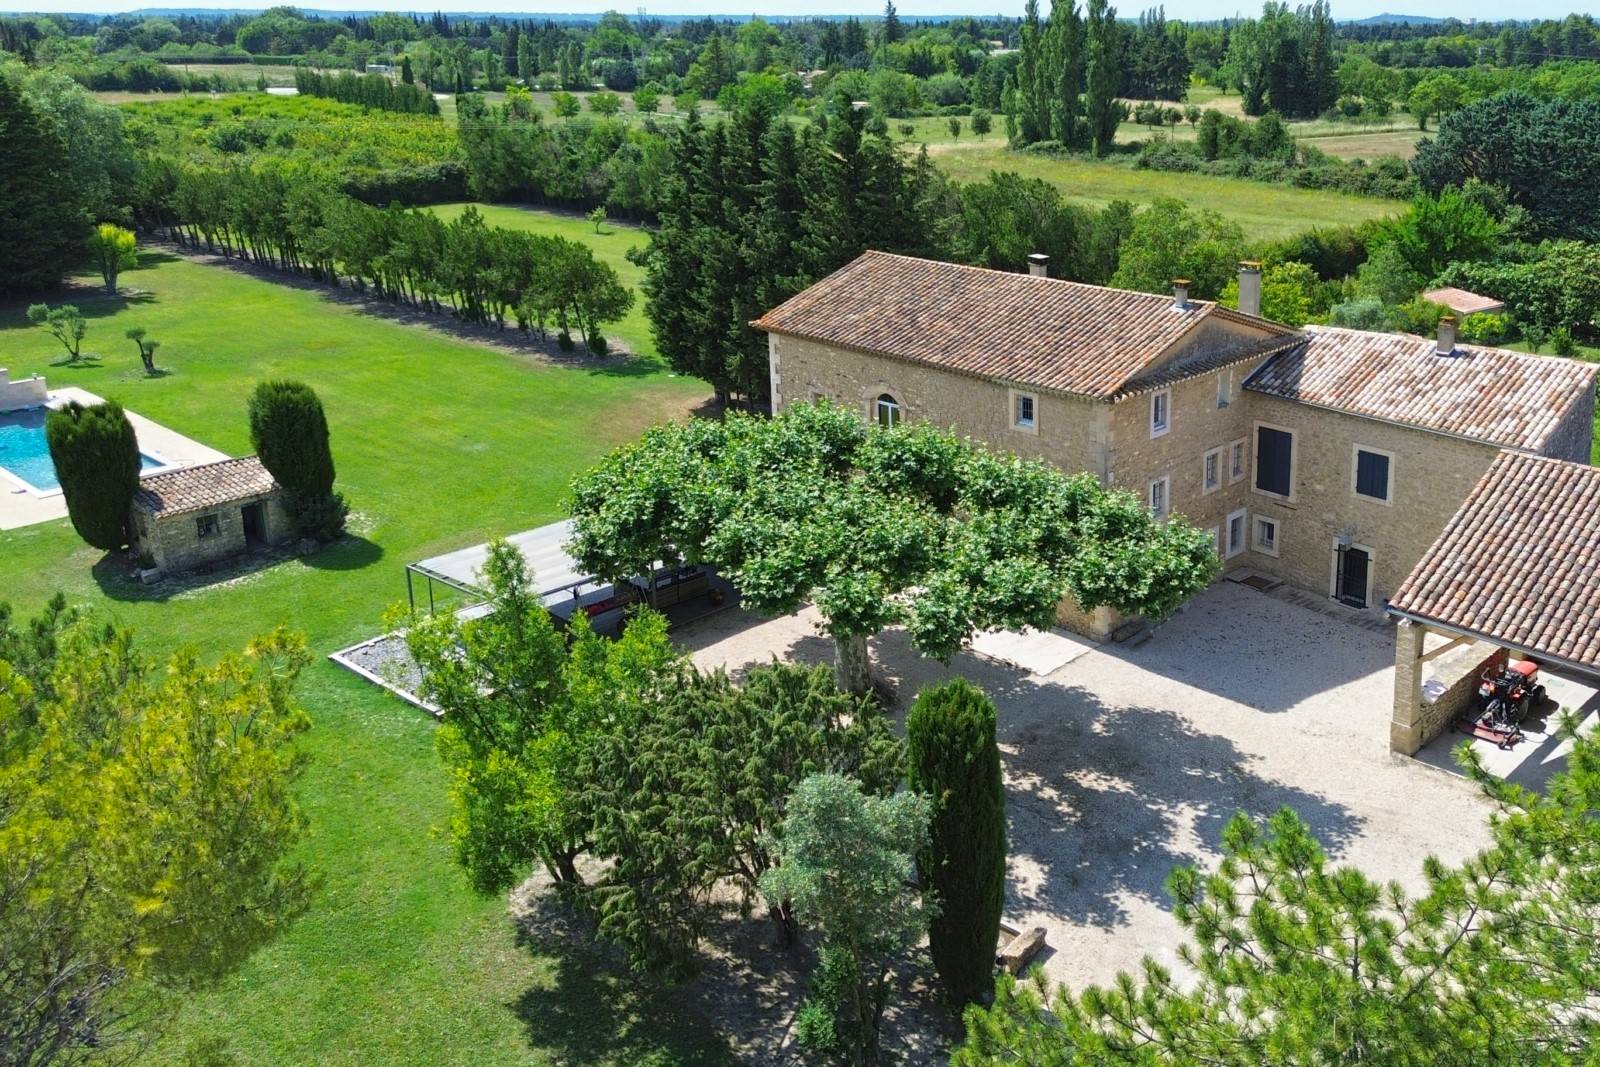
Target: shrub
[[1562, 343], [97, 462], [954, 760], [290, 433], [1485, 328]]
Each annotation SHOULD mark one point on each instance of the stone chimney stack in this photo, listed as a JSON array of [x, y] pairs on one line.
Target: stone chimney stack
[[1250, 286], [1180, 293], [1447, 336], [1039, 265]]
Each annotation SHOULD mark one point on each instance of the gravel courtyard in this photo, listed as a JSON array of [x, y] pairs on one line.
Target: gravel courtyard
[[1126, 762]]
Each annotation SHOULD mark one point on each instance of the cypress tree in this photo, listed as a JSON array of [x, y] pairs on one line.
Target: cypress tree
[[1102, 77], [42, 225], [97, 463], [290, 434], [954, 760]]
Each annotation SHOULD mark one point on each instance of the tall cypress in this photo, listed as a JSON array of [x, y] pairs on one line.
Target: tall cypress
[[42, 223], [1102, 77], [96, 457], [950, 744]]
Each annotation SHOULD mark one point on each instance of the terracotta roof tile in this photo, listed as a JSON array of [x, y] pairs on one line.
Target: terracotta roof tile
[[208, 485], [1043, 332], [1462, 302], [1520, 561], [1490, 394]]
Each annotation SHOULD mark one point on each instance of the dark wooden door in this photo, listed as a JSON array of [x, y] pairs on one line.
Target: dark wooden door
[[1353, 567]]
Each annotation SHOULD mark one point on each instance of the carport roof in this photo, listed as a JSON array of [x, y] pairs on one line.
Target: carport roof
[[1519, 563], [549, 566]]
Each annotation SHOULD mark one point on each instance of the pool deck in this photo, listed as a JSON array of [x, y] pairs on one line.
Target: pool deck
[[22, 506]]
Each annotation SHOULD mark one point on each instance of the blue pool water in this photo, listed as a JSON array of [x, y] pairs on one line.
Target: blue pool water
[[24, 452]]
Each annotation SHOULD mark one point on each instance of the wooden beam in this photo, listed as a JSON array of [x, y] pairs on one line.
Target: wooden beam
[[1456, 642]]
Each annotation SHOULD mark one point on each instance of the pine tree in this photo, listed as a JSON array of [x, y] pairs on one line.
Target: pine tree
[[892, 30], [96, 457], [42, 225], [1102, 77], [954, 760]]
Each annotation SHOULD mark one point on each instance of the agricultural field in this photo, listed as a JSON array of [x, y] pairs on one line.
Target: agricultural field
[[1262, 210], [398, 961]]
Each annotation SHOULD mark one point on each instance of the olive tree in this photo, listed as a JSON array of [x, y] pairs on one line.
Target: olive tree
[[878, 527], [65, 323]]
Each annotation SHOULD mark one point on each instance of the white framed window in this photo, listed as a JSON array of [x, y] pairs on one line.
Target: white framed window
[[1274, 460], [1211, 471], [1024, 411], [887, 410], [1238, 523], [1160, 496], [1236, 463], [1224, 387], [1266, 535], [1160, 412], [1372, 474]]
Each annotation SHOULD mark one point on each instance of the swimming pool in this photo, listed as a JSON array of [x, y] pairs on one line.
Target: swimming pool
[[25, 454]]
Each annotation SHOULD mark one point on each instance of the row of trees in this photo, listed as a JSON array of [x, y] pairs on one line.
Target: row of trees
[[368, 90], [481, 273], [1066, 83]]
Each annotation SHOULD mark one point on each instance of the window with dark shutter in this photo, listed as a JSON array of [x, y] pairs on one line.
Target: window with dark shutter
[[1372, 474], [1274, 460]]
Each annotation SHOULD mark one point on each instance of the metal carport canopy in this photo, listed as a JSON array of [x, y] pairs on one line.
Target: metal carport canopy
[[549, 566]]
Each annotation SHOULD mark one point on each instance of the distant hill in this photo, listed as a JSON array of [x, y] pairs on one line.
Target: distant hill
[[1404, 20]]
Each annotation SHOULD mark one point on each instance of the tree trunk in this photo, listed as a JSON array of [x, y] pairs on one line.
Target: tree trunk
[[788, 925], [852, 665]]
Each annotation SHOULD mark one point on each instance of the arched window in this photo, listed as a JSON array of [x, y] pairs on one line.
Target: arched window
[[887, 410]]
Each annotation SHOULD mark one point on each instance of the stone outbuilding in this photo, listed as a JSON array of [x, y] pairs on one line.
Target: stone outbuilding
[[194, 516]]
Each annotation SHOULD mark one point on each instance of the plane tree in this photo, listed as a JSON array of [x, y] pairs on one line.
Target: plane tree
[[879, 527]]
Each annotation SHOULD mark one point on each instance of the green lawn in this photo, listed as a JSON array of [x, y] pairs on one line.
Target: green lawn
[[1263, 210], [610, 245], [439, 444]]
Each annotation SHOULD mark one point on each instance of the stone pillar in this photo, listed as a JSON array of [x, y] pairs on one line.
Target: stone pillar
[[1405, 726]]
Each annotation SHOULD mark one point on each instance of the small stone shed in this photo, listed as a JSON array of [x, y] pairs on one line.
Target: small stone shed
[[1516, 571], [1462, 302], [193, 516]]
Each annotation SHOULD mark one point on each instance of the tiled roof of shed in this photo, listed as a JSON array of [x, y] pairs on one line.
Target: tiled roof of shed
[[1490, 394], [1044, 332], [1461, 301], [208, 485], [1520, 561]]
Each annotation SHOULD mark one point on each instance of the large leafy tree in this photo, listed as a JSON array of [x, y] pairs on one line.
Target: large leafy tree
[[146, 819], [1170, 240], [96, 456], [879, 527], [954, 760], [847, 860], [1497, 962], [112, 250], [42, 225]]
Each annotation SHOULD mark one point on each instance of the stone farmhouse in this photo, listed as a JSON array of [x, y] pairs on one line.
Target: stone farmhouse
[[1329, 458], [194, 516]]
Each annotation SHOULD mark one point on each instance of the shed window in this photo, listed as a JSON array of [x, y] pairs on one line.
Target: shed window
[[1274, 460], [887, 410], [1372, 474], [1024, 412], [207, 526]]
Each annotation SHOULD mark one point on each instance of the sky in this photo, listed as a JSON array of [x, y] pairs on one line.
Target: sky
[[1179, 9]]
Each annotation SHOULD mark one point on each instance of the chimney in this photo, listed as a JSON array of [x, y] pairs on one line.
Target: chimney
[[1180, 293], [1039, 265], [1250, 286], [1447, 337]]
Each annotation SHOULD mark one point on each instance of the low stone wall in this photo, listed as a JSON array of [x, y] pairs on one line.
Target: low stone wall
[[19, 395], [1098, 624], [1457, 671]]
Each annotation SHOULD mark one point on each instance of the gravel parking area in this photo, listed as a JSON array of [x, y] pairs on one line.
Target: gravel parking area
[[1126, 762]]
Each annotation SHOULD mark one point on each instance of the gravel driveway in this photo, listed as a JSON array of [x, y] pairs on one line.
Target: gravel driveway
[[1128, 761]]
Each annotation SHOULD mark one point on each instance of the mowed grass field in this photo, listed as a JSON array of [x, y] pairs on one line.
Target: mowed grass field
[[439, 444], [610, 245], [1262, 210]]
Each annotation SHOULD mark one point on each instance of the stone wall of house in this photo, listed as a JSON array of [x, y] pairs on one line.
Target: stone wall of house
[[1068, 431], [173, 543], [1429, 476], [1574, 437], [21, 394]]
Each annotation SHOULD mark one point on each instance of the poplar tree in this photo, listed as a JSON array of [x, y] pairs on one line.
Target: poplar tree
[[1032, 103], [1065, 38], [1102, 77]]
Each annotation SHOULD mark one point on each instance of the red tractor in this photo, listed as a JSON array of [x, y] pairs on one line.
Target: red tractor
[[1504, 696]]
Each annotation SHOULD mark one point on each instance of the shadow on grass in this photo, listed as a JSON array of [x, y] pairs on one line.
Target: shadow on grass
[[594, 1011], [349, 553], [118, 578]]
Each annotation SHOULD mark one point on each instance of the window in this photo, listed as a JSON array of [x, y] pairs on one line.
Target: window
[[1158, 497], [1275, 461], [1370, 474], [1224, 388], [1236, 528], [1024, 407], [1267, 536], [887, 410], [1160, 412], [207, 526], [1211, 471], [1236, 461]]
